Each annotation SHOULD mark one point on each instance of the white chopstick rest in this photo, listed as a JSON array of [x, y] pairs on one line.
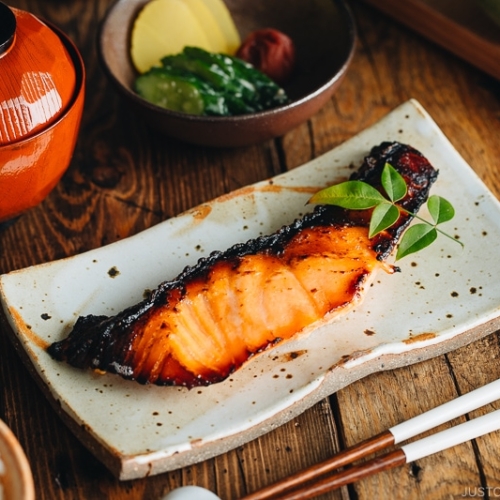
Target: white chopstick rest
[[446, 412], [191, 493], [452, 436]]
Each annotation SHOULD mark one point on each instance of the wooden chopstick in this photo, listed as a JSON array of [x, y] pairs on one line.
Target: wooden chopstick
[[308, 483], [408, 453], [372, 445]]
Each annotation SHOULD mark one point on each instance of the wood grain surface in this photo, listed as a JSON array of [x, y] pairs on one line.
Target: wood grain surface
[[460, 26], [125, 178]]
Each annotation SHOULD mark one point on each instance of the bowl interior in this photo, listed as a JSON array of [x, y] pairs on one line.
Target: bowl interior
[[321, 30]]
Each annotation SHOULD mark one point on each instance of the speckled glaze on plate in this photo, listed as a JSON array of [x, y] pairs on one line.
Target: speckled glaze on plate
[[444, 298]]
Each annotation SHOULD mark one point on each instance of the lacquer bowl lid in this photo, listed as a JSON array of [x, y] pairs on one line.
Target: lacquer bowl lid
[[37, 76]]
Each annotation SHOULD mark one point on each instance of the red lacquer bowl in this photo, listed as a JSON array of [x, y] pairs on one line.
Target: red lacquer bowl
[[16, 481], [41, 103]]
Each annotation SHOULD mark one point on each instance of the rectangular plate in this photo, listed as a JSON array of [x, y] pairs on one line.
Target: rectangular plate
[[444, 297]]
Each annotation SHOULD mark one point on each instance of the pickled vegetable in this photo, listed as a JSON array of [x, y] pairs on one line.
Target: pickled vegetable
[[210, 25], [226, 23], [271, 52], [165, 27], [200, 82], [179, 92]]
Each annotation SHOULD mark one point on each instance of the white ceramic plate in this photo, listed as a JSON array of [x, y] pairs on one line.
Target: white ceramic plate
[[444, 297]]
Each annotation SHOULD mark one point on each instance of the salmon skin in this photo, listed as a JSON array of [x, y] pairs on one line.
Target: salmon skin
[[216, 315]]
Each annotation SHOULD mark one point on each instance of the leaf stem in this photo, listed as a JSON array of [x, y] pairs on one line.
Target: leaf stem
[[431, 224], [359, 195]]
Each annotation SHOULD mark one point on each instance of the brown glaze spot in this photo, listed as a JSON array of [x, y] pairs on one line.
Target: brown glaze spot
[[201, 212], [305, 189], [473, 290], [113, 272], [35, 339], [290, 356], [267, 188], [419, 338], [454, 294], [344, 359], [271, 188], [369, 332], [246, 191]]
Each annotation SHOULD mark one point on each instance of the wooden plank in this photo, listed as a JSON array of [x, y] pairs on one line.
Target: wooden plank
[[124, 179], [392, 397], [388, 398]]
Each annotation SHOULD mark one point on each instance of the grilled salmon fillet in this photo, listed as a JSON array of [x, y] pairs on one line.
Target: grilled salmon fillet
[[216, 315]]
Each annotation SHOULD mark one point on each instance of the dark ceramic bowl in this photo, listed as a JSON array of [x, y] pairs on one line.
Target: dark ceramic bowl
[[324, 33]]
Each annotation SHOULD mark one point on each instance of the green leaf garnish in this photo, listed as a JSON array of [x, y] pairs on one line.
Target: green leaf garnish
[[393, 183], [384, 216], [441, 210], [358, 195], [355, 195], [416, 238]]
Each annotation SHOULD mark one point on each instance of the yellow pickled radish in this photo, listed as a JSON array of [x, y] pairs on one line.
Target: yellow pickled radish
[[226, 23], [164, 27], [210, 26]]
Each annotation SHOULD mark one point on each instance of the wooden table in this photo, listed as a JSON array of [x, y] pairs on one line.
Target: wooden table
[[124, 179]]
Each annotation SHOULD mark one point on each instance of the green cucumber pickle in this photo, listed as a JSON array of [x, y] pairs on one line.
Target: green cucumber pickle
[[202, 83], [170, 92]]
